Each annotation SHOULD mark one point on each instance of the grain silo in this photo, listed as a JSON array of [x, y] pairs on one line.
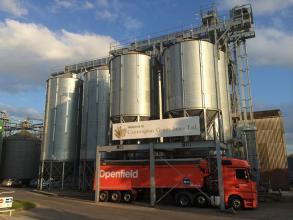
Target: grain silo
[[95, 120], [189, 83], [61, 141], [130, 88], [21, 156]]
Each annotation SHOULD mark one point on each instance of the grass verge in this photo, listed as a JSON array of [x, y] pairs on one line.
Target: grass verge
[[21, 205]]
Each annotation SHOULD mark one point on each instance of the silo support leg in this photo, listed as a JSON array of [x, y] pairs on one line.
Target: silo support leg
[[97, 176], [41, 176], [62, 178]]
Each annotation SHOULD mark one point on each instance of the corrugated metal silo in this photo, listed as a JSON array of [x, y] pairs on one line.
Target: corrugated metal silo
[[61, 129], [95, 112], [21, 156], [189, 76], [130, 87], [189, 81]]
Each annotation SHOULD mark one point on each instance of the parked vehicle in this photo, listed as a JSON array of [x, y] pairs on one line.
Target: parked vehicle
[[7, 182], [190, 183], [51, 183], [12, 183], [33, 183]]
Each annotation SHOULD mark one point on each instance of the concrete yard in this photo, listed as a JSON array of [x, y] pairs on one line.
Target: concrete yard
[[53, 207]]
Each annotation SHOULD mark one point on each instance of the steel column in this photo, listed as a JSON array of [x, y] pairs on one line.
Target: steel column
[[220, 176], [97, 175], [62, 177], [152, 176]]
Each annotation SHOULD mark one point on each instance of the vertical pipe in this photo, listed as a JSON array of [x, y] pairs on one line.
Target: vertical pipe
[[74, 172], [245, 147], [152, 176], [203, 92], [41, 176], [219, 107], [83, 174], [220, 176], [50, 175], [160, 100], [62, 177], [97, 175]]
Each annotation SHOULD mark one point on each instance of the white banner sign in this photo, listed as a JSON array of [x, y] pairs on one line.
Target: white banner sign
[[156, 128], [6, 202]]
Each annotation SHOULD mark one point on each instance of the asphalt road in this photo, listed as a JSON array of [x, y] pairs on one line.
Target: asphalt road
[[51, 207]]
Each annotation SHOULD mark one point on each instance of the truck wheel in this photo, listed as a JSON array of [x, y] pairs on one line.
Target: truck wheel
[[200, 200], [104, 196], [127, 197], [236, 202], [116, 196], [183, 199]]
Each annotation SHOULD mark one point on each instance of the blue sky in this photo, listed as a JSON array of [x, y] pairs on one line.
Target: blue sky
[[40, 37]]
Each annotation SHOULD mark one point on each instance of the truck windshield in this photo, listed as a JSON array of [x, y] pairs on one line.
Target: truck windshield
[[241, 174]]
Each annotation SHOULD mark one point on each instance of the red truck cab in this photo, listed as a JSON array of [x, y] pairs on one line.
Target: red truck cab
[[238, 184]]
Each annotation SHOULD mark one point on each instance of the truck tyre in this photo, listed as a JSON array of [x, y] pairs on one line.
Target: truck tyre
[[200, 200], [183, 199], [236, 202], [104, 196], [127, 197], [116, 196]]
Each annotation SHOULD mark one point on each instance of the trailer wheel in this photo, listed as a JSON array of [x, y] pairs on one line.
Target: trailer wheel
[[116, 196], [183, 199], [104, 196], [235, 202], [127, 197], [200, 200]]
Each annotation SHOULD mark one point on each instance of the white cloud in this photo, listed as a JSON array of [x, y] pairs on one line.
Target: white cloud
[[106, 15], [72, 5], [259, 7], [132, 23], [88, 5], [29, 52], [21, 112], [102, 3], [271, 46], [13, 7], [64, 3], [114, 11]]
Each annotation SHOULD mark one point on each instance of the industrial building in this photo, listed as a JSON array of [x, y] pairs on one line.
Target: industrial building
[[270, 139], [271, 148], [200, 73]]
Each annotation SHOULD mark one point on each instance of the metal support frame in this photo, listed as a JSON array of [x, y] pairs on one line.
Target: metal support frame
[[86, 174], [152, 147], [63, 171], [241, 60]]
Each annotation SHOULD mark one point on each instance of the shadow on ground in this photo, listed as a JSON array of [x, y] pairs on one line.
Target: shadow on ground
[[49, 214]]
